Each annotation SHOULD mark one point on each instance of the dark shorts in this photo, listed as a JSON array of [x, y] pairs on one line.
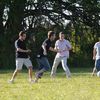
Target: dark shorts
[[97, 64], [43, 63]]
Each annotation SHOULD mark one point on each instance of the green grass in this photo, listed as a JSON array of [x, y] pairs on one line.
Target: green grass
[[80, 87]]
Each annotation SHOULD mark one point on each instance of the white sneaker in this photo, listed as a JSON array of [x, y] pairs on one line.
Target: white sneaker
[[33, 81], [68, 77], [36, 80], [11, 81], [52, 76]]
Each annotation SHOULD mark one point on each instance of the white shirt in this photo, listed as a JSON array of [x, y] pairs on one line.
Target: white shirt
[[97, 47], [62, 45]]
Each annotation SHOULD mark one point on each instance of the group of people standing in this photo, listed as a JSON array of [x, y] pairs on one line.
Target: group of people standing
[[62, 48]]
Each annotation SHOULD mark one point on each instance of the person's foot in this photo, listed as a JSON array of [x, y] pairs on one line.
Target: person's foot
[[36, 80], [11, 81], [69, 76], [92, 74], [37, 75], [52, 76], [32, 81]]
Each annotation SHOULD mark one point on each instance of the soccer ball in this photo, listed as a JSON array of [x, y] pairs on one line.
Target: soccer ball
[[98, 73]]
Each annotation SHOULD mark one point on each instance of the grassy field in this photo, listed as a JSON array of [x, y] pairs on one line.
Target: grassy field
[[80, 87]]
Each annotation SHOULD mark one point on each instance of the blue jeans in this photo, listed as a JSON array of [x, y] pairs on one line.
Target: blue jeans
[[43, 63], [97, 64]]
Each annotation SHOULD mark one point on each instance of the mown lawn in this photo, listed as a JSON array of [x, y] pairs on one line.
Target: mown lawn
[[80, 87]]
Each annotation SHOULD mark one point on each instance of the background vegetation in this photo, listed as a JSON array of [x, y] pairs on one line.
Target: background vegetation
[[79, 19]]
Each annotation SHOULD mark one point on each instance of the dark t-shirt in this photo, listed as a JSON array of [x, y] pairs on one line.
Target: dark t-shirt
[[48, 45], [20, 44]]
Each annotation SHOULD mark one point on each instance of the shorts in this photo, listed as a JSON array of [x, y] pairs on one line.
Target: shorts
[[97, 64], [23, 61]]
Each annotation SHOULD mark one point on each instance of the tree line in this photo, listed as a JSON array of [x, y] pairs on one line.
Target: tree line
[[79, 19]]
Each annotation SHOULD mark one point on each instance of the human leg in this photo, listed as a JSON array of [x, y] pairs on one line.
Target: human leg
[[65, 67], [44, 66], [28, 64], [19, 64], [54, 67]]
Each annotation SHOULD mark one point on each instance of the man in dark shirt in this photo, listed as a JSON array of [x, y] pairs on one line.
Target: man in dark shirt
[[42, 55], [22, 57]]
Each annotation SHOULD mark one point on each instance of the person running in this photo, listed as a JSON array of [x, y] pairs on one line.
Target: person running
[[63, 47], [42, 56], [96, 57], [22, 57]]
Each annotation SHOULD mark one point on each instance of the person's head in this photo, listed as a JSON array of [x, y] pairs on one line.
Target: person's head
[[61, 36], [51, 35], [22, 35]]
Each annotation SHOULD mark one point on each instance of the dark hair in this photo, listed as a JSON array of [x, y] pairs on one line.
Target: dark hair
[[21, 33], [50, 33], [61, 33]]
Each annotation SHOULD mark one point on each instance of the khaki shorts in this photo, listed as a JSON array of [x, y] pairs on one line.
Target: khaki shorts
[[23, 61]]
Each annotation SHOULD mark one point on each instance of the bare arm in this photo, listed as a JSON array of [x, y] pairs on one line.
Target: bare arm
[[44, 48], [18, 48], [21, 50], [53, 49], [94, 54]]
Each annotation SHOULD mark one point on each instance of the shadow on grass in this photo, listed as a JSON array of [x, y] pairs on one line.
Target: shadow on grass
[[59, 70], [76, 70]]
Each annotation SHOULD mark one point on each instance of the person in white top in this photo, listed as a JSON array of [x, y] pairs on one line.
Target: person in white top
[[63, 47], [96, 57]]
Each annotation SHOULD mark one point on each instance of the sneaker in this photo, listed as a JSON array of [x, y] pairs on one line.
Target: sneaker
[[69, 77], [11, 81], [93, 74], [37, 75], [36, 80], [52, 75], [33, 81]]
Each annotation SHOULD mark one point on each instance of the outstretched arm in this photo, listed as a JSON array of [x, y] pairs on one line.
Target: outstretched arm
[[21, 50], [53, 49], [18, 48]]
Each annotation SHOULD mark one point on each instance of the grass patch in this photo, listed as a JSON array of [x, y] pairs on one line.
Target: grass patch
[[80, 87]]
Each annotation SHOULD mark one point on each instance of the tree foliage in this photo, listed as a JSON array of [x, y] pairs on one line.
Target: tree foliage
[[80, 19]]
